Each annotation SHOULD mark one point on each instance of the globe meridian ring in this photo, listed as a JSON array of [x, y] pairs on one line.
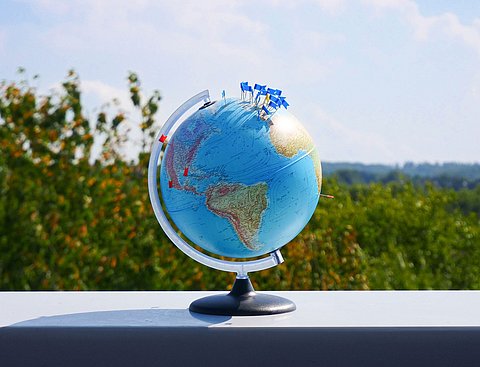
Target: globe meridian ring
[[240, 267]]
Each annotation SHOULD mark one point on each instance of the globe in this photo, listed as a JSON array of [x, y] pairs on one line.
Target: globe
[[239, 183]]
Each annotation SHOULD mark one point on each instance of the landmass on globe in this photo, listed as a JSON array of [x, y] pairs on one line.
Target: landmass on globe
[[241, 177], [242, 205]]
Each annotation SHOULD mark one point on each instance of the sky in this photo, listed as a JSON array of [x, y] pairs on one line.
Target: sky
[[373, 81]]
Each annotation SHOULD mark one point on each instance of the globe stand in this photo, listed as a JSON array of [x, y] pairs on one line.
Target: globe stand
[[242, 300]]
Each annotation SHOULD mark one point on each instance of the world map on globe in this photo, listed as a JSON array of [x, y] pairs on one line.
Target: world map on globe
[[239, 182]]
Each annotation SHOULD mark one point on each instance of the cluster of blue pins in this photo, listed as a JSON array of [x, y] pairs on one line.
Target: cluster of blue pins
[[267, 100]]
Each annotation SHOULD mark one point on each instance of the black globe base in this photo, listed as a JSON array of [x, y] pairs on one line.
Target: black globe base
[[242, 301]]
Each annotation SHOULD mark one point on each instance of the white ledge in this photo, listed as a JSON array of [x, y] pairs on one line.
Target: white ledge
[[371, 328], [170, 309]]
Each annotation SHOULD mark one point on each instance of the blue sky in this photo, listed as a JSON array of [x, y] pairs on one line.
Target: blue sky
[[373, 81]]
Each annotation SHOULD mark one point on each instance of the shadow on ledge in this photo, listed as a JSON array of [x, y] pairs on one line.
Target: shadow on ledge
[[127, 318]]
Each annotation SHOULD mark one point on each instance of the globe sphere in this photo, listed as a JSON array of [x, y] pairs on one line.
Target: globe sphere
[[239, 184]]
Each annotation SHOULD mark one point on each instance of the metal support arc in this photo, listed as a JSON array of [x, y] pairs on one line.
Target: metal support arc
[[180, 111], [240, 267]]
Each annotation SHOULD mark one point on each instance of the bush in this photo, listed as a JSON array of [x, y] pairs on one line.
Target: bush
[[71, 220]]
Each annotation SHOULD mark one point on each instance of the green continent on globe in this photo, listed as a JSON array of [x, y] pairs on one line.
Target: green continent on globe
[[288, 137], [242, 205]]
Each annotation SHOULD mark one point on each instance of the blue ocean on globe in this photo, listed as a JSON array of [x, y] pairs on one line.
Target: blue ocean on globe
[[238, 183]]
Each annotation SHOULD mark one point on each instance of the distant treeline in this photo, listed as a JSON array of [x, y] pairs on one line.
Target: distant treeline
[[445, 175]]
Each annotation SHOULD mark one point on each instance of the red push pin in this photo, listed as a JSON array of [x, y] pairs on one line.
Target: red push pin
[[163, 138], [170, 184], [185, 171]]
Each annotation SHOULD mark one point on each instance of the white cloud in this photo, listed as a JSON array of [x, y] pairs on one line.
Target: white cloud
[[57, 7], [98, 93], [314, 65], [186, 35], [179, 35], [61, 7], [316, 39], [332, 7], [105, 93], [102, 94], [308, 70], [447, 24], [128, 23], [334, 136], [93, 25], [299, 46]]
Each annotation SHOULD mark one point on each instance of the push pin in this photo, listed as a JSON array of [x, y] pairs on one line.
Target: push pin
[[327, 196]]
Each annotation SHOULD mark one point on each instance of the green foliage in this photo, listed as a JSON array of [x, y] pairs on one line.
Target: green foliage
[[467, 171], [413, 240], [447, 175], [69, 220]]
